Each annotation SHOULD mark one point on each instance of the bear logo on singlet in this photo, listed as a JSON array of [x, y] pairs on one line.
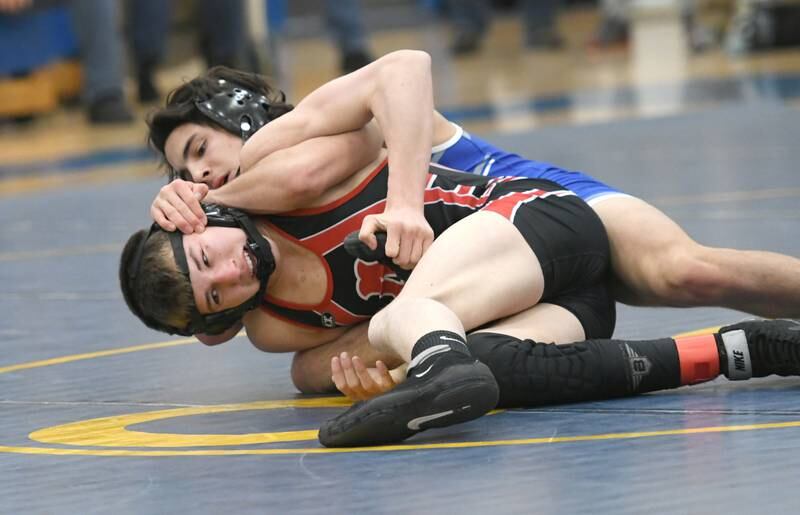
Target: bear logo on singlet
[[376, 279]]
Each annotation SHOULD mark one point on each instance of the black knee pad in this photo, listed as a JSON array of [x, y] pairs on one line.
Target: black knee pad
[[533, 374]]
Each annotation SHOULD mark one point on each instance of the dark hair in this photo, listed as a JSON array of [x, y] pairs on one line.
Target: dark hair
[[157, 290], [180, 106]]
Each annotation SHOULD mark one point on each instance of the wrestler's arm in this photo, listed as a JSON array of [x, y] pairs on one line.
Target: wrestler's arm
[[327, 359], [397, 91], [283, 181], [311, 368], [293, 177]]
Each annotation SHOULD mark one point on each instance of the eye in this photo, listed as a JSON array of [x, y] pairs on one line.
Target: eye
[[215, 297], [205, 258], [201, 150]]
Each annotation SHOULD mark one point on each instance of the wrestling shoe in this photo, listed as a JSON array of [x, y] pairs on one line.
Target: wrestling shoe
[[445, 389], [758, 348]]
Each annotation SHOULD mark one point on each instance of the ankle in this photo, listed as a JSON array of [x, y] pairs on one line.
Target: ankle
[[436, 343], [735, 355], [699, 358]]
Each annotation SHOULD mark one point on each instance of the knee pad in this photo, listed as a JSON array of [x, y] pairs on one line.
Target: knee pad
[[532, 374]]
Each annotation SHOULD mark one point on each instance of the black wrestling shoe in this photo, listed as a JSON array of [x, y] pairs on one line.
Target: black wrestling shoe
[[445, 390], [758, 348]]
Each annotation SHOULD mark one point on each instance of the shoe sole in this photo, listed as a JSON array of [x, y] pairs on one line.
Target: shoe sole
[[471, 392]]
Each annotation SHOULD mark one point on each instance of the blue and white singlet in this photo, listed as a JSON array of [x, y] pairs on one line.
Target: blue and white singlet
[[471, 154]]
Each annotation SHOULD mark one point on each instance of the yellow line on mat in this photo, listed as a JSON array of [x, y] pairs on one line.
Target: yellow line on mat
[[452, 445], [91, 355]]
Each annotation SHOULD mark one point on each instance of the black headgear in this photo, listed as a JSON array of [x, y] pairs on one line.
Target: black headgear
[[214, 323], [236, 108]]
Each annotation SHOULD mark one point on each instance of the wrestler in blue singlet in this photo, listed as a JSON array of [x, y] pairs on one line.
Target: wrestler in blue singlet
[[471, 154]]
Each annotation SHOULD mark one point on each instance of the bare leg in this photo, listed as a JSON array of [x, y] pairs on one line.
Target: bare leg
[[498, 275], [543, 323], [659, 264]]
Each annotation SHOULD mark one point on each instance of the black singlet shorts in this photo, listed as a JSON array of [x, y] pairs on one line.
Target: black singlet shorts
[[572, 247]]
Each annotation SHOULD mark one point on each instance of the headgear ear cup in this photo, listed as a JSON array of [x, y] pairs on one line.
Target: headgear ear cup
[[236, 108]]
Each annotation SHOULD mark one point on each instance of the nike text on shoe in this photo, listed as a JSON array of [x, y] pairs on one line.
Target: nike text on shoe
[[760, 348], [448, 389]]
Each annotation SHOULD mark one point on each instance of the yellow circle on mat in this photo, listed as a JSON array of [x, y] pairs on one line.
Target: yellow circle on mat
[[113, 431]]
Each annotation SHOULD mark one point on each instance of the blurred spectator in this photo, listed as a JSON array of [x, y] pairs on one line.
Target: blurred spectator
[[614, 25], [704, 21], [221, 36], [471, 20], [96, 25], [346, 23], [763, 24]]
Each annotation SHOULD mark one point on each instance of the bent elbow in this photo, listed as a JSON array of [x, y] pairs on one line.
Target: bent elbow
[[420, 57], [307, 184], [299, 375]]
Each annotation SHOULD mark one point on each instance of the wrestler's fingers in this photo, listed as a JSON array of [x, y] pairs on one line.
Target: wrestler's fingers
[[200, 190], [393, 241], [409, 254], [367, 232], [349, 373], [171, 203], [176, 217], [160, 219], [337, 375], [191, 197], [385, 377], [363, 374], [419, 250], [184, 201]]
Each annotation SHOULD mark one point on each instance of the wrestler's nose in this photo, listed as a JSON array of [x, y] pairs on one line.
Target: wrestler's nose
[[199, 171], [226, 273]]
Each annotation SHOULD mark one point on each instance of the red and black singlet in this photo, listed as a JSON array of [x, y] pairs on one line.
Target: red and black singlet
[[357, 290]]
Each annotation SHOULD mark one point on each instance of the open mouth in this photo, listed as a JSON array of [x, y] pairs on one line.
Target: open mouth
[[232, 175], [251, 260]]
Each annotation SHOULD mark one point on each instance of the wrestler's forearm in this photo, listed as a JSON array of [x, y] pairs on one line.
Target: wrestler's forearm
[[293, 178], [311, 369], [396, 90], [403, 106]]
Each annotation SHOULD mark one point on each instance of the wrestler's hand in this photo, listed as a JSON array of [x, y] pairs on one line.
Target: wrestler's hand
[[177, 205], [408, 234], [358, 382]]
